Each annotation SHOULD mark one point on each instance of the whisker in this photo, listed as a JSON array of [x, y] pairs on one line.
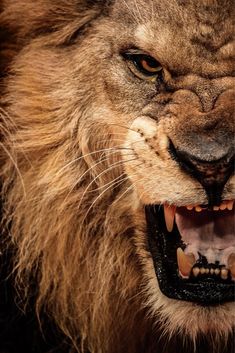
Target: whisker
[[123, 127], [104, 186], [86, 172], [128, 189], [100, 174], [101, 194], [124, 143], [113, 149]]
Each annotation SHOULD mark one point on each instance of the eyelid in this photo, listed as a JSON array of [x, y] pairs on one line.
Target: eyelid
[[134, 58], [128, 52]]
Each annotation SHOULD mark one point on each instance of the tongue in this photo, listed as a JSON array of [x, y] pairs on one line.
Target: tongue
[[210, 233]]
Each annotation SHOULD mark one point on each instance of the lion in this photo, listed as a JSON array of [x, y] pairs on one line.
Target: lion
[[117, 170]]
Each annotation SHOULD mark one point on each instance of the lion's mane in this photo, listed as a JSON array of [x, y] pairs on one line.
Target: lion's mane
[[81, 264], [67, 203]]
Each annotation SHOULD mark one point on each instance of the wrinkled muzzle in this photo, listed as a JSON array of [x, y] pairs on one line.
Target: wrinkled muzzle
[[193, 246], [184, 175]]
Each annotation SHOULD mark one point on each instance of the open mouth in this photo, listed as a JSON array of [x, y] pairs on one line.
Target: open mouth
[[193, 250]]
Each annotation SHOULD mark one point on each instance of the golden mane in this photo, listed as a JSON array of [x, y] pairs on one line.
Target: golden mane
[[67, 201], [53, 171]]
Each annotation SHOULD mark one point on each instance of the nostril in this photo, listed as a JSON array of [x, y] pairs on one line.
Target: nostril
[[212, 174]]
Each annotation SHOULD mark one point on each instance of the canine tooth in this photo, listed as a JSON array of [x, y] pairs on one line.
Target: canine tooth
[[224, 273], [169, 212], [190, 208], [231, 264], [217, 271], [185, 262], [198, 209]]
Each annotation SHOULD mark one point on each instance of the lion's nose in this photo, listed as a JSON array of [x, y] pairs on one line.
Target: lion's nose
[[212, 174]]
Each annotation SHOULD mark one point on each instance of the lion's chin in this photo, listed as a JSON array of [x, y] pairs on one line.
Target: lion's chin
[[192, 321], [193, 252]]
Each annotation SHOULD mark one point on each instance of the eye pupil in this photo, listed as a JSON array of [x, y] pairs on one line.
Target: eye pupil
[[150, 65], [150, 62], [147, 65], [143, 65]]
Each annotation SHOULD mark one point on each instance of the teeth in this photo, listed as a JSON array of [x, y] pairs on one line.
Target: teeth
[[202, 271], [196, 271], [230, 205], [224, 273], [169, 212], [224, 205], [185, 263], [231, 265]]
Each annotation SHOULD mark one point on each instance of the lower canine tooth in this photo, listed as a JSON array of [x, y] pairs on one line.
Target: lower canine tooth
[[185, 263]]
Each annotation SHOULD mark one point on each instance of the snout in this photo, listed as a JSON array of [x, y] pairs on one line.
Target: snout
[[212, 169]]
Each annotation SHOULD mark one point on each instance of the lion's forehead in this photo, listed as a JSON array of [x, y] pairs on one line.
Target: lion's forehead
[[211, 15], [203, 30]]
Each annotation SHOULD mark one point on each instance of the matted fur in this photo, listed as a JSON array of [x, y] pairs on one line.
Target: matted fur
[[72, 191]]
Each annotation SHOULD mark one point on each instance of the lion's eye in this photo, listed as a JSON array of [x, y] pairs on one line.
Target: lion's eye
[[144, 66]]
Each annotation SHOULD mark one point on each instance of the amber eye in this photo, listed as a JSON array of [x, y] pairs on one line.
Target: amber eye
[[143, 65]]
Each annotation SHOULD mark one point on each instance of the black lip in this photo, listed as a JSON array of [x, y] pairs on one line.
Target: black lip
[[163, 247]]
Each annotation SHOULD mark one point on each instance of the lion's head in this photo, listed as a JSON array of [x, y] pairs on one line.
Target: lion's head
[[117, 162]]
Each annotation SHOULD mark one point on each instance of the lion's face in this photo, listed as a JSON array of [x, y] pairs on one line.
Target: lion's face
[[126, 130]]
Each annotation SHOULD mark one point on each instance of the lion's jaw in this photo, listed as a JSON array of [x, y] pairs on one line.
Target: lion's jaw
[[149, 147], [147, 143]]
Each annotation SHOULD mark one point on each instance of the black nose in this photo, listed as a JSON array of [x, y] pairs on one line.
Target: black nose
[[212, 174]]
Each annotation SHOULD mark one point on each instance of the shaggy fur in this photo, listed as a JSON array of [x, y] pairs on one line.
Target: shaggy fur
[[73, 186]]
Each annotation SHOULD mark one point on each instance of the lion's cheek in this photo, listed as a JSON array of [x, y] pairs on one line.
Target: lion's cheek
[[155, 176]]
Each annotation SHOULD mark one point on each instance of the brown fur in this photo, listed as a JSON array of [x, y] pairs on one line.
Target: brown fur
[[77, 220]]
